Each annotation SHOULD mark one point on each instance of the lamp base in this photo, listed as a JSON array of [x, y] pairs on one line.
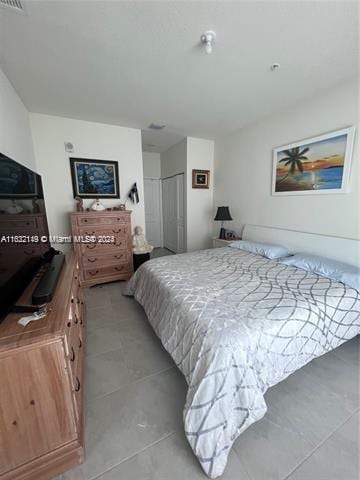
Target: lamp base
[[222, 233]]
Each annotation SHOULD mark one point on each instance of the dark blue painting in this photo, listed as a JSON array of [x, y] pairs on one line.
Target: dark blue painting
[[94, 178]]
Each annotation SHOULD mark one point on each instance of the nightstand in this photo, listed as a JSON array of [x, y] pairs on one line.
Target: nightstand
[[222, 242]]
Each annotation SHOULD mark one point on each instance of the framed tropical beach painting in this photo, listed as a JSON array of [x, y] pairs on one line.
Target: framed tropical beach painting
[[94, 178], [316, 165]]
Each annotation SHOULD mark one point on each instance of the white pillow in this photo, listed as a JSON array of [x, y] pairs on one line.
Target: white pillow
[[266, 250], [325, 267]]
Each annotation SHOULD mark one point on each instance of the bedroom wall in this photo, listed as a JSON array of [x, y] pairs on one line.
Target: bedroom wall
[[243, 168], [173, 160], [15, 133], [90, 140], [151, 164], [200, 209]]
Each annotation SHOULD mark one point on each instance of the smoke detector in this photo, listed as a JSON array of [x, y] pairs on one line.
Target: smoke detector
[[208, 39], [69, 147], [156, 126], [14, 5]]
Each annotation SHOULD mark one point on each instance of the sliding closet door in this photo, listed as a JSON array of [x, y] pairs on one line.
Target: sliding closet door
[[173, 213]]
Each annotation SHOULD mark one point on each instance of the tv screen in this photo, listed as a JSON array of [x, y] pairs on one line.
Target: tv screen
[[24, 234]]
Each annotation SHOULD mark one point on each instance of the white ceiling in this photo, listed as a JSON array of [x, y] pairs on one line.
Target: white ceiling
[[132, 63]]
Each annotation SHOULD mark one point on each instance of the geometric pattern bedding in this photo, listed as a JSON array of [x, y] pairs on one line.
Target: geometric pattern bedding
[[235, 324]]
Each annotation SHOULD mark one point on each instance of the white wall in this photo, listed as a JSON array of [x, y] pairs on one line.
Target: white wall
[[91, 140], [151, 164], [200, 209], [15, 133], [173, 160], [243, 167]]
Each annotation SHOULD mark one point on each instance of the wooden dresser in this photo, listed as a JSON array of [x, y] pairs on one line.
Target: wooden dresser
[[99, 260], [41, 391]]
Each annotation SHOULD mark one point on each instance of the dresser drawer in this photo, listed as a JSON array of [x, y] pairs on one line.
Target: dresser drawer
[[94, 273], [104, 231], [17, 224], [75, 350], [120, 243], [100, 219], [114, 258]]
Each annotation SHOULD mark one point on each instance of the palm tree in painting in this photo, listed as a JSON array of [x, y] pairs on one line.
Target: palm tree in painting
[[293, 160]]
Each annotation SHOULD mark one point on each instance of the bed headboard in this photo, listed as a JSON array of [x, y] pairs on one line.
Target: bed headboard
[[343, 249]]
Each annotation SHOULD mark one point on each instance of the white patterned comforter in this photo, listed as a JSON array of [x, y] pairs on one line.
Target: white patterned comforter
[[236, 323]]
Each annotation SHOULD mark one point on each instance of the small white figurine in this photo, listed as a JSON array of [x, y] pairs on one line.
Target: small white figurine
[[97, 206], [140, 244]]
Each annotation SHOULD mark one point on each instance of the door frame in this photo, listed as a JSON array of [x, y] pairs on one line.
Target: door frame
[[158, 179]]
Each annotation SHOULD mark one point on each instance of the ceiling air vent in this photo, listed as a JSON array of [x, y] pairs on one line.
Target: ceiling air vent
[[15, 5], [156, 126]]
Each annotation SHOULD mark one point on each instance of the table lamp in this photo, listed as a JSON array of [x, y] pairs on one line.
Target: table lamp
[[222, 214]]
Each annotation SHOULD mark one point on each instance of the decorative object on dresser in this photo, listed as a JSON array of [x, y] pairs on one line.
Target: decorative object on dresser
[[94, 178], [108, 254], [200, 178], [41, 395], [222, 215]]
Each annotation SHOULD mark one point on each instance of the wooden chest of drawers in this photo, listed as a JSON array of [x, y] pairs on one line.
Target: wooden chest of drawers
[[41, 394], [103, 245]]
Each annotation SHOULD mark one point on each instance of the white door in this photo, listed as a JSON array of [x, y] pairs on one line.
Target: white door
[[173, 213], [152, 194]]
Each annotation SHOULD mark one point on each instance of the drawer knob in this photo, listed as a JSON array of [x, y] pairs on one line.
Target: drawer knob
[[118, 256], [93, 272], [77, 385], [91, 260], [76, 320], [117, 231], [119, 268], [72, 358], [69, 324], [80, 343], [91, 246]]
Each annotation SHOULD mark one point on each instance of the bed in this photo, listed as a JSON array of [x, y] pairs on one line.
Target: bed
[[235, 324]]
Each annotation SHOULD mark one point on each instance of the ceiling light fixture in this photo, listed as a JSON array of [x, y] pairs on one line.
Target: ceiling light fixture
[[208, 39]]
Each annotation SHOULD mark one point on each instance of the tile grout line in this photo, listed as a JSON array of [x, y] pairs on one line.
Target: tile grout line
[[129, 384], [310, 454], [134, 455]]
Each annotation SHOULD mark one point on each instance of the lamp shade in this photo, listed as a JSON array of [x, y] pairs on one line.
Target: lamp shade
[[223, 214]]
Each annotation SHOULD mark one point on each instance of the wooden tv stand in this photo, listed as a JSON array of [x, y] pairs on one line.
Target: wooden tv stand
[[42, 384]]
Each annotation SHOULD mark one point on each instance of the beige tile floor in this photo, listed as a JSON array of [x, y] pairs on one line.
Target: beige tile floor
[[135, 395]]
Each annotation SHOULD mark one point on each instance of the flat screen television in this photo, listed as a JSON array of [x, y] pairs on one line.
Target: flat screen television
[[24, 234]]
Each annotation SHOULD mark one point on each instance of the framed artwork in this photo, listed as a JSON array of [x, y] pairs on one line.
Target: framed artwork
[[94, 178], [200, 178], [317, 165]]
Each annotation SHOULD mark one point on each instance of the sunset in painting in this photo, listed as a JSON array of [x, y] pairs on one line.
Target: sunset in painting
[[311, 166]]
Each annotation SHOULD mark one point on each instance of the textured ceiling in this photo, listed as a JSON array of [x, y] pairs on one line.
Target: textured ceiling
[[133, 63]]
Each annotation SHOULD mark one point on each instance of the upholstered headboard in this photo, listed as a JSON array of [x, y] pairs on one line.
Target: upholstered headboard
[[343, 249]]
